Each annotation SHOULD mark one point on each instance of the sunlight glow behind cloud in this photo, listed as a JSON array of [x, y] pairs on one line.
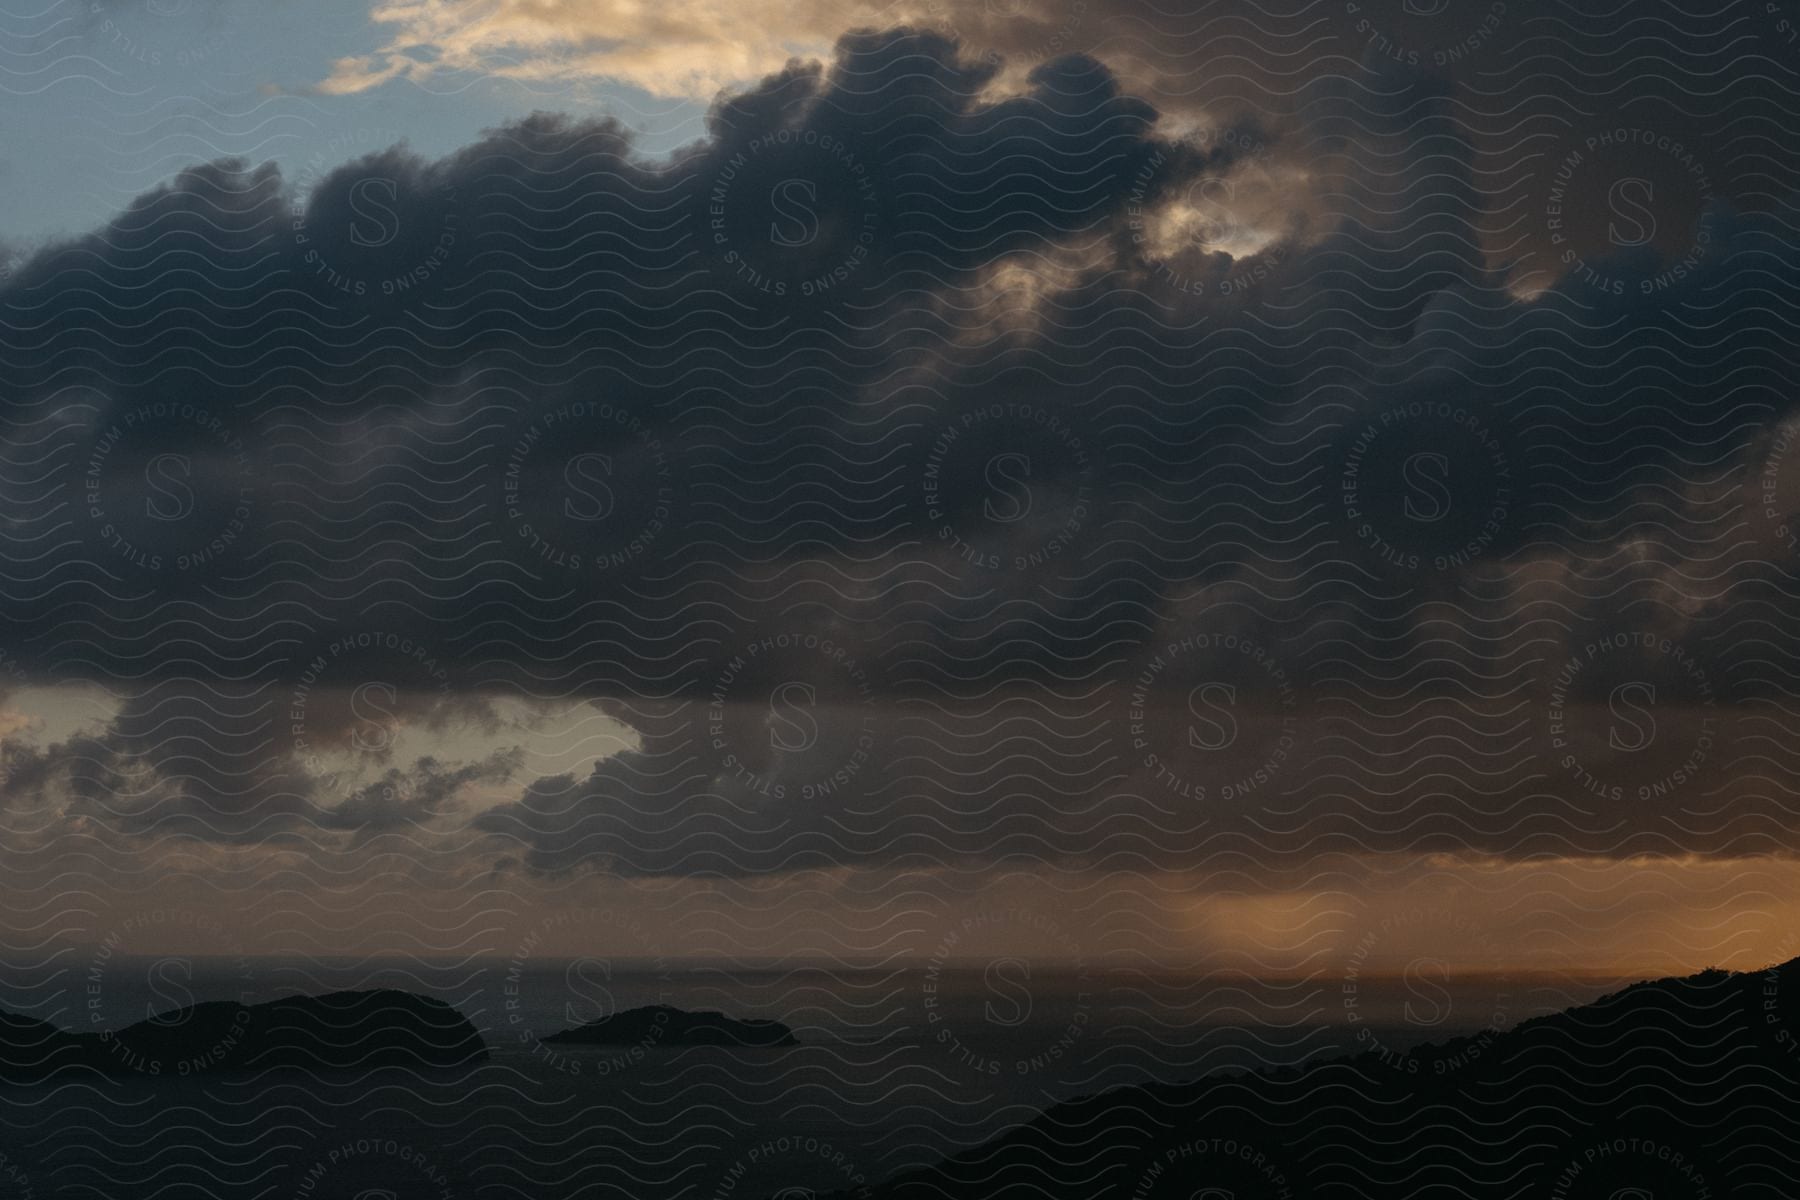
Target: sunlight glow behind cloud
[[681, 48]]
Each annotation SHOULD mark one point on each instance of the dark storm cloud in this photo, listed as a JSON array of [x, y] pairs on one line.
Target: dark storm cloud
[[912, 490], [372, 394]]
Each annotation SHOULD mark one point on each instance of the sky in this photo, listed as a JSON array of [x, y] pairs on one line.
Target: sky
[[786, 480]]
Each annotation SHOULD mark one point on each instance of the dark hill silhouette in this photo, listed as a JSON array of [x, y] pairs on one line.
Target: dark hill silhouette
[[336, 1033], [1678, 1089], [662, 1025]]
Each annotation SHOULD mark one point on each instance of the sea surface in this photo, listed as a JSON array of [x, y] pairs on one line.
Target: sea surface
[[901, 1064]]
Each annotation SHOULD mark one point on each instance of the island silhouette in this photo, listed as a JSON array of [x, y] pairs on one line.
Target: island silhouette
[[664, 1025], [339, 1032]]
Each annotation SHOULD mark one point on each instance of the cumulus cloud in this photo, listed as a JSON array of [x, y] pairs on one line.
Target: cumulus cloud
[[1203, 544]]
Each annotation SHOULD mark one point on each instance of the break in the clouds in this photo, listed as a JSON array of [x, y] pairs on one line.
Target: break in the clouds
[[923, 471], [689, 48]]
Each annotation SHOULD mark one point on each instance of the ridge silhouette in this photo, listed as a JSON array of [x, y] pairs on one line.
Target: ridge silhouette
[[1682, 1088]]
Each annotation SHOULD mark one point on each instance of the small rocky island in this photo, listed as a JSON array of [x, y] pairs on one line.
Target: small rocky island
[[663, 1025], [338, 1033]]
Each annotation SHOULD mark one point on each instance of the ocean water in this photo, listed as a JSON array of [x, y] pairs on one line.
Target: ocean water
[[902, 1064]]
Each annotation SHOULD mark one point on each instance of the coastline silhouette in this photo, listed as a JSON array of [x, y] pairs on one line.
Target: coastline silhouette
[[1671, 1088], [1676, 1087]]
